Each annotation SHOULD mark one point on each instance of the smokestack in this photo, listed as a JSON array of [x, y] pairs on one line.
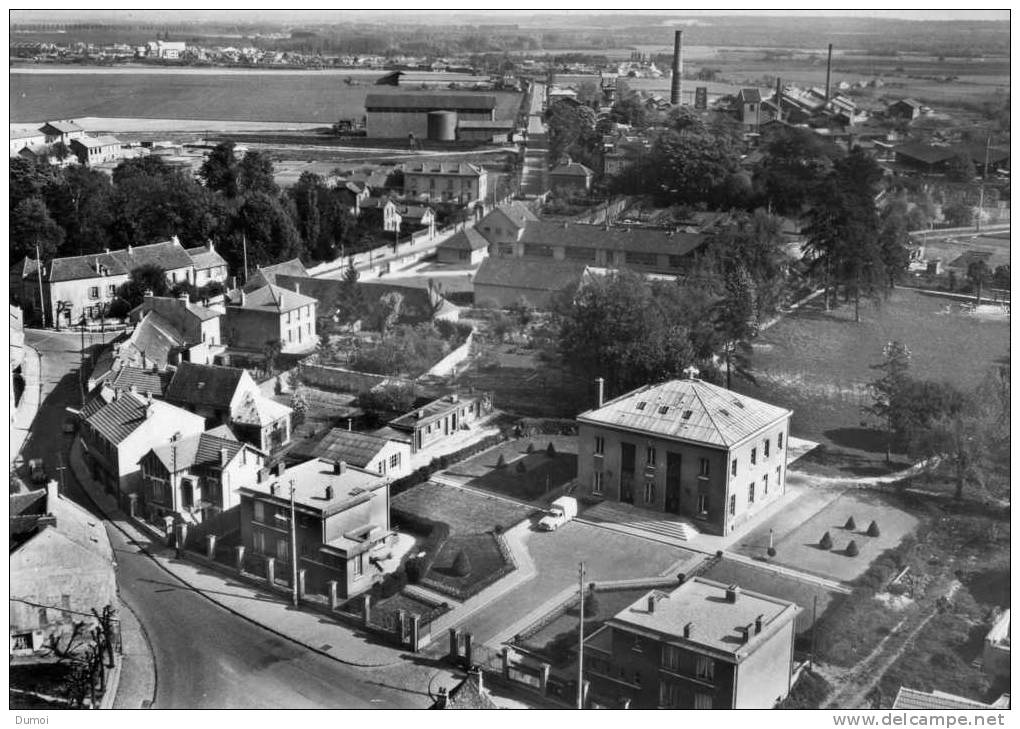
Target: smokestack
[[828, 75], [600, 383], [677, 83], [779, 99]]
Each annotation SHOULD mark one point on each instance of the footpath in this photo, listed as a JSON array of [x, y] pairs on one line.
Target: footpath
[[313, 630], [24, 414]]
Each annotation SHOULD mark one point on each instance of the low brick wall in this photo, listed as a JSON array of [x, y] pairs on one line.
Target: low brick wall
[[448, 364], [329, 377]]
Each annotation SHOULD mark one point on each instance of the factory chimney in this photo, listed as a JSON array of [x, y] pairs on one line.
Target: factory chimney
[[677, 84], [828, 75], [779, 99]]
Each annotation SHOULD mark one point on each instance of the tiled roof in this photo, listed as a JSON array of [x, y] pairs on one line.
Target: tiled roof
[[639, 240], [28, 503], [431, 102], [222, 431], [116, 420], [527, 273], [64, 127], [357, 449], [466, 695], [925, 152], [168, 255], [25, 268], [468, 239], [444, 168], [267, 274], [689, 410], [203, 257], [429, 412], [94, 142], [155, 338], [572, 169], [260, 411], [142, 380], [167, 306], [310, 480], [415, 212], [715, 621], [270, 298], [199, 384], [911, 699], [750, 96], [196, 450]]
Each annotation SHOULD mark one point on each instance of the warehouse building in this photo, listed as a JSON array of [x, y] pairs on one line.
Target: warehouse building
[[424, 115]]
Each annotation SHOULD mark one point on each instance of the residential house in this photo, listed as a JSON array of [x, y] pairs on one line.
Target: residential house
[[369, 452], [460, 182], [382, 210], [908, 699], [155, 343], [352, 194], [96, 150], [502, 282], [748, 107], [466, 246], [196, 323], [267, 274], [572, 177], [342, 525], [704, 645], [143, 381], [686, 447], [196, 477], [61, 569], [229, 396], [418, 217], [469, 694], [435, 422], [117, 428], [209, 265], [61, 131], [504, 226], [908, 109], [21, 139], [270, 314]]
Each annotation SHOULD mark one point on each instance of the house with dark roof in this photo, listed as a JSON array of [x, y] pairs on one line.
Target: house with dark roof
[[197, 325], [503, 282], [499, 131], [142, 381], [196, 477], [61, 131], [209, 265], [460, 182], [270, 314], [264, 275], [61, 568], [431, 424], [748, 107], [117, 429], [382, 213], [908, 109], [469, 694], [342, 530], [710, 456], [572, 176], [466, 246], [414, 218], [704, 645], [229, 396], [370, 452], [398, 115]]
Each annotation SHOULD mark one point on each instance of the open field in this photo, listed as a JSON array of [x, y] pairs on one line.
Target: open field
[[309, 97], [818, 363]]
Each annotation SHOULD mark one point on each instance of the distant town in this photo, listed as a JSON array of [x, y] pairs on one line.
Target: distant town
[[509, 365]]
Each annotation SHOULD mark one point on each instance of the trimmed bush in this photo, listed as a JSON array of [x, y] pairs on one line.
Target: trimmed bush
[[771, 551], [461, 564], [826, 541], [591, 605], [531, 448], [501, 463], [851, 549], [850, 524], [521, 468], [873, 529], [550, 450], [413, 569]]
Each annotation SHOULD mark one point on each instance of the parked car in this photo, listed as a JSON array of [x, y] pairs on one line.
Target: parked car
[[561, 511], [37, 470]]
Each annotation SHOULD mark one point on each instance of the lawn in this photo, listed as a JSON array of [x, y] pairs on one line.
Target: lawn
[[385, 611], [818, 363], [767, 582], [483, 555], [464, 511], [799, 548], [542, 473]]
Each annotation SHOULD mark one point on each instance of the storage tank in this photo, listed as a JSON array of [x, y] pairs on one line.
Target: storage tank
[[442, 126]]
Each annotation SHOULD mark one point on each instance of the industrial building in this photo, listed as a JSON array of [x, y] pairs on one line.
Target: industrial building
[[424, 115]]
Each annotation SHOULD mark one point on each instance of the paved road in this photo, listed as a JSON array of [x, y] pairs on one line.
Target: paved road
[[207, 657]]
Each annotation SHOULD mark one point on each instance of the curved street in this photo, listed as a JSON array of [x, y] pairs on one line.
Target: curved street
[[206, 657]]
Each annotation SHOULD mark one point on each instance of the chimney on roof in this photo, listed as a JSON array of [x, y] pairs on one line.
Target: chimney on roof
[[732, 592], [223, 456], [175, 240], [106, 250], [329, 493], [129, 249], [242, 297], [279, 468], [758, 624], [183, 297], [148, 294], [745, 633], [52, 492], [688, 630], [348, 425], [132, 389], [475, 677], [651, 603], [339, 468], [209, 245], [297, 287], [281, 299], [600, 386], [421, 414], [828, 74], [441, 698]]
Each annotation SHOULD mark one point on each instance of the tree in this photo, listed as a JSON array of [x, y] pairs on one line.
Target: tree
[[268, 229], [461, 564], [888, 391], [60, 151], [299, 404], [350, 304], [1001, 277], [31, 225], [255, 174], [894, 239], [149, 277], [961, 169], [794, 163], [81, 201], [958, 214], [572, 131], [389, 308], [220, 170], [270, 352], [735, 323], [978, 273]]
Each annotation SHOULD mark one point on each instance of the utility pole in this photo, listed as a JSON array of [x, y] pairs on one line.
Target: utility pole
[[38, 270], [61, 468], [814, 624], [580, 642], [81, 364], [244, 248], [984, 174], [173, 477], [293, 548]]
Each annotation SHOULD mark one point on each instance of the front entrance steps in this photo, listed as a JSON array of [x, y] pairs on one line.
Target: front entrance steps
[[641, 522]]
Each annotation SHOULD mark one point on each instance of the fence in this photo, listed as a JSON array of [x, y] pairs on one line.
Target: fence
[[331, 377], [448, 364]]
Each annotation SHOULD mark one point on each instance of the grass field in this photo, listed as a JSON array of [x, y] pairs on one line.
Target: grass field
[[268, 97], [543, 473], [818, 363], [464, 511]]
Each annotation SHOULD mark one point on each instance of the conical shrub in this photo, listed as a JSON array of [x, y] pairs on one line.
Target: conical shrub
[[826, 541], [851, 549], [850, 524], [461, 564], [873, 529], [501, 463], [521, 468], [550, 450], [531, 448]]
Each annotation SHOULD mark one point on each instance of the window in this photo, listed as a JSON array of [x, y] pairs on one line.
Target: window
[[260, 512], [670, 657], [358, 565], [750, 493], [703, 467], [702, 504], [650, 456], [669, 694], [733, 504], [43, 617], [93, 292], [258, 539], [596, 483], [65, 607], [290, 335], [779, 442], [641, 258], [382, 466], [649, 491], [111, 290], [664, 409], [754, 456], [704, 668], [395, 460], [765, 484], [765, 450], [676, 261], [702, 701], [733, 467], [282, 550], [641, 405], [779, 475], [638, 646], [600, 445], [21, 641]]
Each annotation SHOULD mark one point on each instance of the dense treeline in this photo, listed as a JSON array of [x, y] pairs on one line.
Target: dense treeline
[[73, 211]]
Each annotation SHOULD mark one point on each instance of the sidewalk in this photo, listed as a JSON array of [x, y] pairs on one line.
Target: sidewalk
[[24, 414], [313, 630], [137, 688]]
